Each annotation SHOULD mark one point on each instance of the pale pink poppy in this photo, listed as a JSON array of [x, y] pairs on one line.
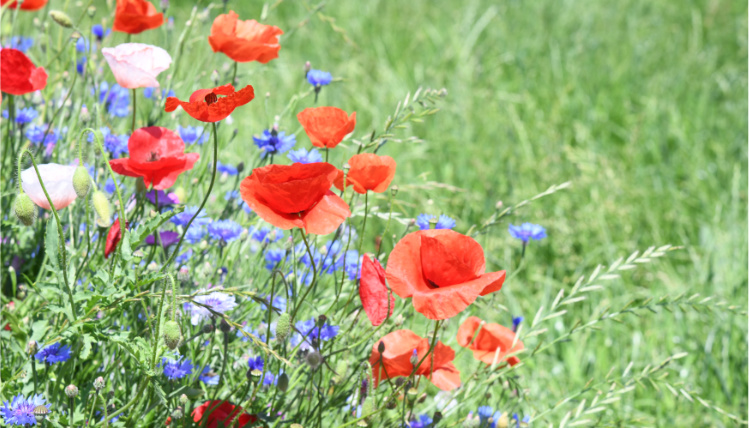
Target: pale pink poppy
[[58, 180], [136, 65]]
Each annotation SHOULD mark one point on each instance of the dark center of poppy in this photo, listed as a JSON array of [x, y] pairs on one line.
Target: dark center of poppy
[[152, 157], [211, 98]]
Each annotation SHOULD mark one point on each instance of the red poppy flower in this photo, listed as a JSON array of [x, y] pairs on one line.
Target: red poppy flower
[[368, 172], [26, 5], [20, 75], [377, 301], [442, 270], [113, 238], [244, 41], [136, 16], [206, 106], [223, 412], [492, 344], [399, 352], [296, 195], [326, 126], [156, 154]]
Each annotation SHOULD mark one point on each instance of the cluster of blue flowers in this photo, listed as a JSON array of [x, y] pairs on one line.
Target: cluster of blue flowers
[[443, 222], [23, 115], [192, 134], [309, 331], [273, 142], [19, 411], [23, 44], [305, 156], [115, 144], [115, 98]]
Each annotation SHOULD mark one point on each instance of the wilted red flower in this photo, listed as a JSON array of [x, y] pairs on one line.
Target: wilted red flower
[[223, 412], [244, 41], [206, 106], [156, 154], [136, 16], [20, 75], [403, 346], [368, 172], [492, 344], [113, 237], [377, 301], [297, 195], [442, 270], [326, 126], [26, 5]]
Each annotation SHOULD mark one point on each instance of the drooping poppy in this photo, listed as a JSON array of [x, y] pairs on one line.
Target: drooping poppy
[[206, 106], [156, 154], [217, 412], [368, 172], [377, 301], [26, 5], [20, 75], [326, 126], [442, 270], [136, 16], [136, 65], [57, 179], [403, 348], [244, 41], [113, 237], [492, 343], [297, 195]]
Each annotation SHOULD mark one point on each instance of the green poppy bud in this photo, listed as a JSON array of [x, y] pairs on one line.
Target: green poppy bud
[[81, 182], [283, 327], [102, 208], [25, 209], [61, 18], [283, 382], [172, 335]]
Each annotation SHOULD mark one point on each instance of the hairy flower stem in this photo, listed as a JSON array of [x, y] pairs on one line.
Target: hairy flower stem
[[33, 371], [314, 276], [91, 420], [224, 363], [71, 407], [138, 395], [132, 128], [202, 204], [168, 283]]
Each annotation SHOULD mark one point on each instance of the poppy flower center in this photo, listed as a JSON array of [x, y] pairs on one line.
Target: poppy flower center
[[211, 98], [152, 157]]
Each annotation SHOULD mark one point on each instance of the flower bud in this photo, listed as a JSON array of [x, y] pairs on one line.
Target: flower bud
[[84, 115], [152, 267], [61, 18], [313, 360], [81, 182], [283, 327], [40, 413], [283, 382], [183, 399], [394, 190], [32, 347], [102, 208], [71, 391], [381, 347], [24, 209], [91, 11], [412, 393], [224, 326], [99, 383], [178, 413], [208, 328], [172, 335]]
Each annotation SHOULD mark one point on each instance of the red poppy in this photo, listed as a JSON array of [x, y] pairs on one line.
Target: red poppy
[[244, 41], [206, 106], [377, 301], [326, 126], [20, 75], [296, 195], [442, 270], [492, 344], [368, 172], [136, 16], [113, 238], [156, 154], [223, 412], [399, 353], [26, 5]]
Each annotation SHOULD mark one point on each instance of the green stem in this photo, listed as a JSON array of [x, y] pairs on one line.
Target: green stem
[[167, 282], [314, 276], [234, 75], [132, 128], [135, 398]]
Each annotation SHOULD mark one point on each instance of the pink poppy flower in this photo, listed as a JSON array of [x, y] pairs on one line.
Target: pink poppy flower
[[58, 179], [136, 65]]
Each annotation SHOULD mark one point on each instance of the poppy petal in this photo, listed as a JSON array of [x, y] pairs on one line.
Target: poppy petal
[[378, 303], [327, 215]]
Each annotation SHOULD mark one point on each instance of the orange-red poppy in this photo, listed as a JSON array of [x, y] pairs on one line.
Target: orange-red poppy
[[222, 412], [20, 75], [442, 270], [244, 41], [377, 301], [297, 195], [113, 238], [136, 16], [26, 5], [206, 105], [368, 171], [403, 348], [492, 343], [326, 126]]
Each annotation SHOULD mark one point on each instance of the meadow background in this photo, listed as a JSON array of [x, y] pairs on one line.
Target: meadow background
[[641, 105]]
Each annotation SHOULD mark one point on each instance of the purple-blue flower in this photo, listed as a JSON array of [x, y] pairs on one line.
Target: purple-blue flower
[[274, 257], [53, 354], [443, 222], [184, 217], [424, 421], [305, 156], [216, 301], [115, 98], [100, 32], [35, 134], [21, 43], [184, 257], [520, 422], [176, 369], [224, 230], [20, 411], [266, 234], [351, 264], [226, 169], [81, 45], [273, 142], [24, 115], [115, 144], [208, 377], [527, 231], [192, 134], [516, 322], [319, 78], [256, 363], [309, 330]]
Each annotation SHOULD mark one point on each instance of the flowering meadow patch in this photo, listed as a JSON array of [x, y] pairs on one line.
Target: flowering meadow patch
[[274, 266]]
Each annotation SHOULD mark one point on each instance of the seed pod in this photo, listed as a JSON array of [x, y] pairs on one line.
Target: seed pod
[[283, 382], [102, 208], [224, 326], [283, 327], [81, 182], [313, 360], [40, 413], [381, 347], [32, 347], [71, 391], [172, 335], [24, 209], [61, 18]]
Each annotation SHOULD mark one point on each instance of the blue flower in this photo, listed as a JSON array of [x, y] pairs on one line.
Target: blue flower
[[273, 142], [184, 217], [274, 257], [80, 65], [226, 169], [305, 156], [176, 369], [266, 234], [192, 134], [21, 43], [309, 330], [278, 303], [196, 232], [100, 32], [148, 93], [81, 45], [516, 322], [521, 422], [115, 98], [208, 377], [224, 230], [443, 222], [217, 301], [424, 421], [115, 144], [184, 257], [319, 78], [231, 195], [527, 231], [25, 115], [256, 363], [351, 264], [250, 331], [35, 133], [485, 412], [20, 411], [54, 354]]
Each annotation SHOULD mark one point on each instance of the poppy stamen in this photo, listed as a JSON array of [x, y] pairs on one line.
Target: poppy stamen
[[211, 98], [153, 157]]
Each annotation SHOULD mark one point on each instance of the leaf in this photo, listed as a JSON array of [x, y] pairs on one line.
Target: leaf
[[86, 350], [126, 252], [150, 225]]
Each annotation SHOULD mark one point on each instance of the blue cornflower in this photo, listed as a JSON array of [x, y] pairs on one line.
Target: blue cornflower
[[224, 230], [516, 322], [226, 169], [21, 43], [424, 421], [80, 65], [20, 411], [115, 98], [115, 144], [149, 92], [231, 195], [196, 232], [208, 377], [256, 363], [35, 133], [25, 115], [274, 257], [54, 354], [351, 264], [319, 78], [305, 156], [100, 32], [217, 301], [310, 330], [192, 134], [184, 217], [266, 234], [184, 257], [176, 369], [273, 142], [527, 231], [278, 303], [521, 422], [81, 45], [485, 412], [443, 222]]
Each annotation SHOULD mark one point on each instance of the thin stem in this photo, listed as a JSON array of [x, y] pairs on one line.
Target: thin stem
[[167, 281], [132, 128], [314, 275], [135, 398], [234, 75], [91, 421]]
